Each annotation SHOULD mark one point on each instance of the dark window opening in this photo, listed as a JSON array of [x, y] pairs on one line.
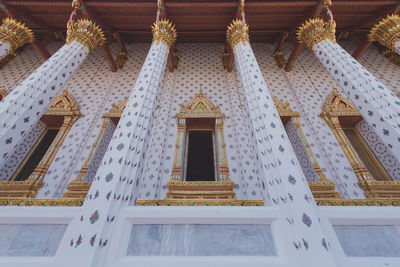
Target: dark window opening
[[200, 160], [36, 156]]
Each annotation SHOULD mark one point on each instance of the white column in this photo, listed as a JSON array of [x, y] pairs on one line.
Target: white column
[[397, 47], [379, 107], [87, 238], [286, 184], [23, 107], [4, 49], [13, 34]]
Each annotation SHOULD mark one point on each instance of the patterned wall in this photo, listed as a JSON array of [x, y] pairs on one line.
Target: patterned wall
[[8, 169], [300, 151], [101, 149], [384, 155], [306, 88], [200, 66]]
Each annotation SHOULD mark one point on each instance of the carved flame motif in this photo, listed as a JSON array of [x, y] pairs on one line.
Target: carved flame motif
[[336, 105], [200, 104]]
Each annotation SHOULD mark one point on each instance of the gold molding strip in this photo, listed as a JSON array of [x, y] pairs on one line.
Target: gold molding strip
[[200, 202], [52, 202], [335, 107], [359, 202]]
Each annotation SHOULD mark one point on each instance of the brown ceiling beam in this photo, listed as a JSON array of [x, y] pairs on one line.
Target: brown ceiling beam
[[364, 45], [12, 12], [314, 12], [209, 4], [90, 13]]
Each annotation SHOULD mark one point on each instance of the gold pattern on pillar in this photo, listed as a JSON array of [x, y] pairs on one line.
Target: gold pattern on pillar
[[207, 193], [3, 92], [15, 33], [78, 187], [340, 113], [386, 32], [62, 113], [316, 30], [85, 32], [237, 32], [324, 188], [164, 32]]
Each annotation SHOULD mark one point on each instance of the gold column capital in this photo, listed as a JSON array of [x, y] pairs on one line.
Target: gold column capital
[[87, 33], [386, 32], [164, 31], [316, 30], [15, 33], [237, 32]]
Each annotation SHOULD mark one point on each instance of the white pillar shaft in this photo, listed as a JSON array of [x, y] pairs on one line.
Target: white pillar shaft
[[23, 107], [4, 49], [398, 47], [378, 105], [286, 183], [86, 239]]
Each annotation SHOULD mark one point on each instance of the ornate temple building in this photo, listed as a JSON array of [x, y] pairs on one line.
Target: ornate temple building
[[194, 133]]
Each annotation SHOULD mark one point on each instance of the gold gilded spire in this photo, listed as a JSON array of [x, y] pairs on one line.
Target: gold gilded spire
[[316, 30], [15, 33], [237, 32], [164, 31], [386, 32], [87, 33]]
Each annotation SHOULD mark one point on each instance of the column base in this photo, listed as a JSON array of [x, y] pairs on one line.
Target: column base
[[200, 193], [323, 189], [77, 189], [381, 189], [20, 189]]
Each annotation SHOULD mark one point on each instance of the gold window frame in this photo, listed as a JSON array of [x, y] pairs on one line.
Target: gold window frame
[[77, 188], [324, 188], [200, 193], [339, 113], [62, 113]]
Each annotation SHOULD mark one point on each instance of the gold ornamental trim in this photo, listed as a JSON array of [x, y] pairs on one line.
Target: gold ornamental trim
[[15, 33], [201, 202], [386, 32], [87, 33], [55, 202], [237, 32], [313, 31], [359, 202], [164, 32]]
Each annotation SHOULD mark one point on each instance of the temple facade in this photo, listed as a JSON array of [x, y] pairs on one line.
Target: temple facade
[[124, 147]]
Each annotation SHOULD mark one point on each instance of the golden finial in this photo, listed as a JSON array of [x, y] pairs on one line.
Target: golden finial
[[159, 3], [164, 31], [241, 3], [15, 33], [327, 3], [237, 32], [87, 33], [316, 30], [76, 4], [386, 32]]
